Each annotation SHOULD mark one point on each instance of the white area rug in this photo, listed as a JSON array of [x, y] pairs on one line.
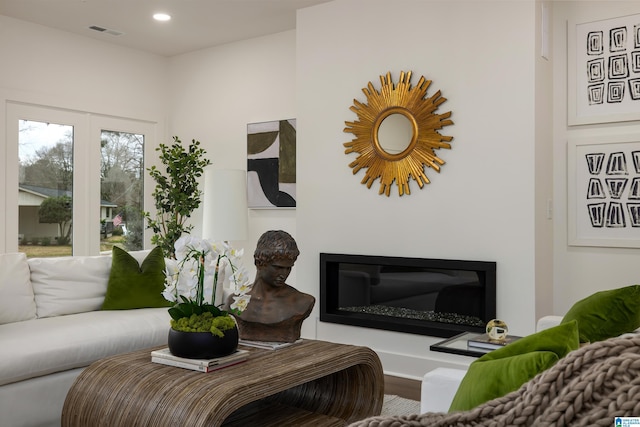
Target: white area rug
[[396, 405]]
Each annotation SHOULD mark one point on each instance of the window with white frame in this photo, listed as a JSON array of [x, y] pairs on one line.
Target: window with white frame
[[78, 184]]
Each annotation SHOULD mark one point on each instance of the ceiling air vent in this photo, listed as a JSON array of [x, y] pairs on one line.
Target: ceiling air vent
[[105, 30]]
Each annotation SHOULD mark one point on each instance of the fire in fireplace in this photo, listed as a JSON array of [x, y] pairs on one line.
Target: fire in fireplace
[[433, 297]]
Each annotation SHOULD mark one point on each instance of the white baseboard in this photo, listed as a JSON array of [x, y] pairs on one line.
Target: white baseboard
[[414, 367]]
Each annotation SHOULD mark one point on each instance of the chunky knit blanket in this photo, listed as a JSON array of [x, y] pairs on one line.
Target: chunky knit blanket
[[588, 387]]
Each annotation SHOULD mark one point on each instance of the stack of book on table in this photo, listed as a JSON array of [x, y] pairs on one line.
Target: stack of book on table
[[164, 357], [268, 345], [484, 343]]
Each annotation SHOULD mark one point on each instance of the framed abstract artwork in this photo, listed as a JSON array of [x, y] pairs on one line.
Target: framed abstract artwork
[[604, 191], [603, 66], [271, 164]]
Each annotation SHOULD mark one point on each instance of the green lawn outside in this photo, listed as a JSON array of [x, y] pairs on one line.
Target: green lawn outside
[[40, 251]]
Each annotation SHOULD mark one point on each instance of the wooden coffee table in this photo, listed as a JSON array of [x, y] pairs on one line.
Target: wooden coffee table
[[309, 383]]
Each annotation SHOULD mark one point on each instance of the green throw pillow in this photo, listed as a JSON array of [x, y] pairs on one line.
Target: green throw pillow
[[606, 314], [506, 369], [135, 286]]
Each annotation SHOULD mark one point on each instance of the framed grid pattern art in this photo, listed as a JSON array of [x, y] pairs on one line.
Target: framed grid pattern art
[[271, 164], [604, 70], [604, 191]]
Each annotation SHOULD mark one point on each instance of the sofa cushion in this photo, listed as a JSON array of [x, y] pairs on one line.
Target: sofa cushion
[[606, 314], [16, 294], [68, 285], [42, 346], [132, 285], [504, 370]]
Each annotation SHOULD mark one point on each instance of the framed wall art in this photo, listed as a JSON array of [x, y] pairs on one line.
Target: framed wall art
[[603, 66], [604, 191], [271, 164]]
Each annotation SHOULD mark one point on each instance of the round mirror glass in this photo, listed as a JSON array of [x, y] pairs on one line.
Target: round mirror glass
[[395, 133]]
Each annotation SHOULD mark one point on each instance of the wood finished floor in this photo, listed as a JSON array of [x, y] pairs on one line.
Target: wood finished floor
[[403, 387]]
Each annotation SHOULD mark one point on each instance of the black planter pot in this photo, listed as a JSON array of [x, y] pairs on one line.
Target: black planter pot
[[202, 345]]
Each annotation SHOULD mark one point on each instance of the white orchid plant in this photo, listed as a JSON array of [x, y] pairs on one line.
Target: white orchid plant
[[195, 285]]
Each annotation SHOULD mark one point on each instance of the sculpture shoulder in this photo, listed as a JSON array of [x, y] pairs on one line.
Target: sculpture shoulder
[[304, 299], [307, 297]]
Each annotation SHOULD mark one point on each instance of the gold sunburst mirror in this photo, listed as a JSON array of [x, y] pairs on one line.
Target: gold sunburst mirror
[[396, 133]]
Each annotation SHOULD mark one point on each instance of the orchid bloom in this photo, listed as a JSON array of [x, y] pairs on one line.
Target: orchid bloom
[[200, 269]]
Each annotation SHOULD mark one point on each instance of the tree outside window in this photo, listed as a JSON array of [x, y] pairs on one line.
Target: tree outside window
[[46, 170]]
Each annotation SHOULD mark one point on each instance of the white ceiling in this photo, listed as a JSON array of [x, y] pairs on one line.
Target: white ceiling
[[195, 24]]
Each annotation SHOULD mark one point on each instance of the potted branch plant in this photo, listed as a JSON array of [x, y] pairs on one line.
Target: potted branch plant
[[176, 194], [200, 328]]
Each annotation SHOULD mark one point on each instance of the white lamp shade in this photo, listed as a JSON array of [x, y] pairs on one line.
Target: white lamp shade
[[224, 214]]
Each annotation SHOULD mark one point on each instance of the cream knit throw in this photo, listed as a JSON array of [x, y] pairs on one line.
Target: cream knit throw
[[588, 387]]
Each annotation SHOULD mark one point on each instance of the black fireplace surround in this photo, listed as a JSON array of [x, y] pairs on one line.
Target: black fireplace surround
[[434, 297]]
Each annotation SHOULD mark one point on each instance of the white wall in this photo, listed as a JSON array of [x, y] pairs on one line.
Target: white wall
[[50, 67], [580, 271], [481, 55], [543, 205], [216, 92]]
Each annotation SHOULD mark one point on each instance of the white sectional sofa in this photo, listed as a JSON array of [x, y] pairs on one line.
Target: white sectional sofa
[[52, 327]]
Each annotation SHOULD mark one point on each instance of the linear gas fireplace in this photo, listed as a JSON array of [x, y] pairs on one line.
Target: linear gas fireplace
[[433, 297]]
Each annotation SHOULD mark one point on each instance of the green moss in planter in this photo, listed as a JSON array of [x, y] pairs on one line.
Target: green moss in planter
[[205, 322]]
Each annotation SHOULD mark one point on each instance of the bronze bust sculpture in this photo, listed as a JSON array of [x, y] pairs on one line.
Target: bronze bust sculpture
[[276, 310]]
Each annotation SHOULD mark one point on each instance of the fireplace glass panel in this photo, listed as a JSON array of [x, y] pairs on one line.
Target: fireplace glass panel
[[423, 296]]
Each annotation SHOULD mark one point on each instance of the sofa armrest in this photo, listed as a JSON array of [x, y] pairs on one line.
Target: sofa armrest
[[546, 322], [438, 389]]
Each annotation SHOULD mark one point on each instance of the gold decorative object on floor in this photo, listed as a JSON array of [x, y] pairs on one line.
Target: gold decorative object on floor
[[391, 109]]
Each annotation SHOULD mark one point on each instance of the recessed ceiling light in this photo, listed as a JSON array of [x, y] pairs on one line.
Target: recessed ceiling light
[[161, 17]]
